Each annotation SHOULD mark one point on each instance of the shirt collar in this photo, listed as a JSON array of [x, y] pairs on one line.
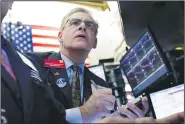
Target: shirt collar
[[69, 63]]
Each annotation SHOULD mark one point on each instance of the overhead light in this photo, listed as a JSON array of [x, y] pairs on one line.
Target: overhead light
[[178, 48]]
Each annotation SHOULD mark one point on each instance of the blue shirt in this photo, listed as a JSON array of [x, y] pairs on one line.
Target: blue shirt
[[74, 115]]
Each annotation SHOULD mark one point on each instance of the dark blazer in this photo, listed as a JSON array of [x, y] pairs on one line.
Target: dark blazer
[[64, 95], [27, 100]]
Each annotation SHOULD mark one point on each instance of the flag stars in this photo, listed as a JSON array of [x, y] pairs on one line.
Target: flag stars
[[16, 29], [21, 45], [4, 32], [8, 28], [24, 42], [17, 41], [29, 45], [12, 32], [28, 33], [27, 27], [24, 36], [25, 48], [20, 39], [16, 35], [4, 25], [12, 26], [20, 32], [28, 39], [13, 38]]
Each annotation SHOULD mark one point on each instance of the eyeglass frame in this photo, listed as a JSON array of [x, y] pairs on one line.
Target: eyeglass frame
[[85, 21]]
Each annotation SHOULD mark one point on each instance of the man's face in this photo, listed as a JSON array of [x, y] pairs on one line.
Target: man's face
[[79, 32]]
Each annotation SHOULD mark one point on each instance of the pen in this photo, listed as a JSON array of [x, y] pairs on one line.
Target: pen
[[94, 84]]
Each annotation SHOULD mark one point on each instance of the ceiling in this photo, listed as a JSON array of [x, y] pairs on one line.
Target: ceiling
[[166, 19], [96, 4]]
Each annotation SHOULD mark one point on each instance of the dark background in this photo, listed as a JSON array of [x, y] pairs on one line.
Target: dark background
[[166, 19]]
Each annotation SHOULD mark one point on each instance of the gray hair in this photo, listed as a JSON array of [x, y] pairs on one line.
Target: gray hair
[[76, 10]]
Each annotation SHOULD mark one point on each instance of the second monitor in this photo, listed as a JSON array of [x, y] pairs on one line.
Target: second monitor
[[144, 63]]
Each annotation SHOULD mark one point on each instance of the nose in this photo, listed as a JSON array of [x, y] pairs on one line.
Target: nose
[[82, 26]]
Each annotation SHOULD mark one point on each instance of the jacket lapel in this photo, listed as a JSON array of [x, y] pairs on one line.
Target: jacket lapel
[[61, 73], [25, 89], [87, 85]]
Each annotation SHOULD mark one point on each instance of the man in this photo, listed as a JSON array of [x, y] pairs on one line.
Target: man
[[77, 36], [25, 97], [28, 100]]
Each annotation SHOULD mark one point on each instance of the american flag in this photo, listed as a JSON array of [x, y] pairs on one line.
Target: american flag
[[31, 38]]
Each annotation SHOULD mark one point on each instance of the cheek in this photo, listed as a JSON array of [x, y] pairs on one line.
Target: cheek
[[67, 36], [92, 39]]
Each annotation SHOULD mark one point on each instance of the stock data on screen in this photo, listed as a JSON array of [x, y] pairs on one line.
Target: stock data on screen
[[143, 63]]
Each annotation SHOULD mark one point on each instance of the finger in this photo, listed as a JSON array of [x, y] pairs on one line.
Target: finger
[[114, 114], [125, 111], [145, 105], [175, 118], [115, 120], [145, 120], [108, 105], [135, 109], [109, 98], [105, 112], [104, 91], [109, 101]]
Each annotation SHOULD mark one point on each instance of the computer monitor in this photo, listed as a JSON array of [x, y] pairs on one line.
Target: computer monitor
[[167, 101], [144, 63], [98, 70]]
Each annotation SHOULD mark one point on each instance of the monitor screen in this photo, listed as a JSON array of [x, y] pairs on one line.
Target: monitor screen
[[98, 70], [143, 64], [168, 101]]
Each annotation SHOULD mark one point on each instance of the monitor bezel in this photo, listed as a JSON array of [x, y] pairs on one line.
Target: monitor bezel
[[99, 65], [161, 53]]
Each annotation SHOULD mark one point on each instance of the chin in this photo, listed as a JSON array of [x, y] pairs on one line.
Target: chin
[[82, 48]]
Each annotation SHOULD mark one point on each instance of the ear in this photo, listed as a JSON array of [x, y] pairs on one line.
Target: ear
[[95, 43], [59, 36]]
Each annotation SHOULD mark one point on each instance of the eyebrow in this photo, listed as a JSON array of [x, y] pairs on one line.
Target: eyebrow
[[82, 20]]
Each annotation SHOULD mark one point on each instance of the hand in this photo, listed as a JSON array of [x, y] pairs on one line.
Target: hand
[[176, 118], [100, 103], [135, 111]]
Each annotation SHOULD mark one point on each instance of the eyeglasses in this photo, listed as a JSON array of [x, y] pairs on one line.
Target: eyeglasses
[[89, 24]]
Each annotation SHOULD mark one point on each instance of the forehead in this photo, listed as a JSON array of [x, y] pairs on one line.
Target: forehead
[[82, 16]]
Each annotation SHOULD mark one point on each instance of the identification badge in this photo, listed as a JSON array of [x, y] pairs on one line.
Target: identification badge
[[54, 63], [61, 82]]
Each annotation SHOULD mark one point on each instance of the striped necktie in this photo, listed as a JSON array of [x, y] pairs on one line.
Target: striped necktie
[[75, 86]]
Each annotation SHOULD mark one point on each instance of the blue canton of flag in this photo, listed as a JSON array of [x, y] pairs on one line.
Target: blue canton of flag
[[21, 36]]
